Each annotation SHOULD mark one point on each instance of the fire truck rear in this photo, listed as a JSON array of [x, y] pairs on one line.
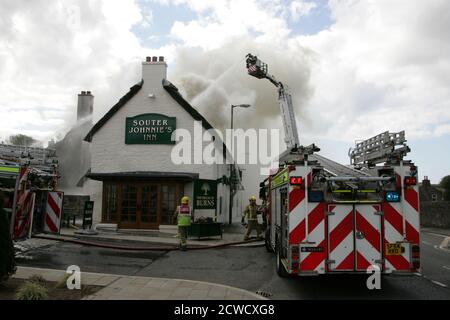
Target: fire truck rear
[[325, 217]]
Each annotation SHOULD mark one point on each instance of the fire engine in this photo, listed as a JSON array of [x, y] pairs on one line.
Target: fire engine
[[324, 217], [29, 179]]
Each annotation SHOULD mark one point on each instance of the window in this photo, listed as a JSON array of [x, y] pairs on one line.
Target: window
[[149, 204], [140, 205], [111, 197], [129, 203], [169, 196]]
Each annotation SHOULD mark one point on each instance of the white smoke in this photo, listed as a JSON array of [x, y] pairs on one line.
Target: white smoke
[[213, 80]]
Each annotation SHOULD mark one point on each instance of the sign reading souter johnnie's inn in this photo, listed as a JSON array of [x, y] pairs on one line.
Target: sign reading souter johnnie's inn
[[150, 128]]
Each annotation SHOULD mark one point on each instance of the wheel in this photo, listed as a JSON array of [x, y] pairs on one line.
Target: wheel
[[281, 270], [267, 241]]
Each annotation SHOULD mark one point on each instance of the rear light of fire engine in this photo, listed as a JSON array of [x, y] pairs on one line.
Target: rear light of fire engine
[[410, 181], [392, 196], [295, 253], [295, 257], [415, 256], [296, 181]]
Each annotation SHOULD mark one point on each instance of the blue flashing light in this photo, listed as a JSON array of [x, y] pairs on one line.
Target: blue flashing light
[[392, 196]]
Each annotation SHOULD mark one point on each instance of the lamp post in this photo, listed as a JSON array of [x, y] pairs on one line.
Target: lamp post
[[230, 204]]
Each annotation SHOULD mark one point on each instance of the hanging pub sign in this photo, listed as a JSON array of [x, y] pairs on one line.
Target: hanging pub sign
[[150, 128], [205, 194]]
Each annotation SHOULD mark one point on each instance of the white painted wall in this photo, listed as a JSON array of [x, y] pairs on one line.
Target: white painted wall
[[110, 154]]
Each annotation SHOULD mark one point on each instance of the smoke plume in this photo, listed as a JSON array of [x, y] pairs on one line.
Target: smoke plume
[[213, 80]]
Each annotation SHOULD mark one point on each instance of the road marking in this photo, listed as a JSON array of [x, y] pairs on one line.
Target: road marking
[[438, 235], [439, 283], [426, 242], [445, 243], [446, 267]]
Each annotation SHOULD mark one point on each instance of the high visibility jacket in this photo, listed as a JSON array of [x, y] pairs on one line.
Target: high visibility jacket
[[184, 216], [251, 212]]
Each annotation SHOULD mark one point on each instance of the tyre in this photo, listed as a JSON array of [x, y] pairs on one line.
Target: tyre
[[281, 270], [267, 241]]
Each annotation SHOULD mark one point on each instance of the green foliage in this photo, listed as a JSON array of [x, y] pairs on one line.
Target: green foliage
[[21, 140], [31, 290], [36, 278], [445, 184], [62, 284]]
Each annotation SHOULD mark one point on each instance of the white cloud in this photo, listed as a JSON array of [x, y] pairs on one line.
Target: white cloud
[[223, 20], [382, 65], [51, 50], [300, 8]]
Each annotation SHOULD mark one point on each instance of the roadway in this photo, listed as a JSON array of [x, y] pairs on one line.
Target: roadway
[[252, 269]]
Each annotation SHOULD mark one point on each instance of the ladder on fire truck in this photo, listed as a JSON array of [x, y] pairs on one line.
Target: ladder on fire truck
[[43, 159], [260, 70], [385, 147]]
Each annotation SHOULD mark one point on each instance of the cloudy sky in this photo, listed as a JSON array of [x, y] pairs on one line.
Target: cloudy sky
[[355, 68]]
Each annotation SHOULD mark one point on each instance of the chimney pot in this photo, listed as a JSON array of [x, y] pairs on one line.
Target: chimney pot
[[148, 59], [155, 59], [161, 59], [83, 93], [88, 93]]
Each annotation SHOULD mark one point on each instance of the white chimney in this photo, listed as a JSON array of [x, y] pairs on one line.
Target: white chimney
[[154, 70], [85, 105]]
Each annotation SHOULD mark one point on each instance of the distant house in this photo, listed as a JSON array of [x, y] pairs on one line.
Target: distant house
[[430, 192]]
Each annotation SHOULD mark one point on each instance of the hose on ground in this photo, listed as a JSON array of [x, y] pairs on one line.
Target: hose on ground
[[141, 248]]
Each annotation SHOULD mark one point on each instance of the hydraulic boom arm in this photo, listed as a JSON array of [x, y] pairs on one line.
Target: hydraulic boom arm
[[259, 69]]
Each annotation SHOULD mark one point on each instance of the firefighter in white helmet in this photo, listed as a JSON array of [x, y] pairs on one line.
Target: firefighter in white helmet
[[251, 213], [183, 216]]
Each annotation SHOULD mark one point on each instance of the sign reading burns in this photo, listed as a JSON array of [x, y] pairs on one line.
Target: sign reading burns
[[205, 194]]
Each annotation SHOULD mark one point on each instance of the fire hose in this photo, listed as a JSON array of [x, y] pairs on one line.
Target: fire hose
[[142, 248]]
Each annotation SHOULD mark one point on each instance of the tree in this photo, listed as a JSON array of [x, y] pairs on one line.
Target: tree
[[7, 263], [445, 184], [21, 140]]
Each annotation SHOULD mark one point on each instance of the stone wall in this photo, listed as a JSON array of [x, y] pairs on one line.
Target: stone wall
[[435, 214]]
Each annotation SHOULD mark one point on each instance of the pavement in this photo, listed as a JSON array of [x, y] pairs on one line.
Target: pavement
[[167, 236], [120, 287]]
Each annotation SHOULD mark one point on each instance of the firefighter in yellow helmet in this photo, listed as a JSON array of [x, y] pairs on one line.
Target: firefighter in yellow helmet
[[251, 213], [183, 214]]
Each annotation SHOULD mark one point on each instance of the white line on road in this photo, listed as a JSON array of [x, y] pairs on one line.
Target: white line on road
[[445, 244], [427, 243], [446, 267], [438, 235], [439, 283]]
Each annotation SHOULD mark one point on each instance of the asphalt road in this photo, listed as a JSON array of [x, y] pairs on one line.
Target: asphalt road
[[252, 269]]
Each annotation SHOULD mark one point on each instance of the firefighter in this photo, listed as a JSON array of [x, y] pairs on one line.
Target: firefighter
[[251, 213], [184, 217]]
